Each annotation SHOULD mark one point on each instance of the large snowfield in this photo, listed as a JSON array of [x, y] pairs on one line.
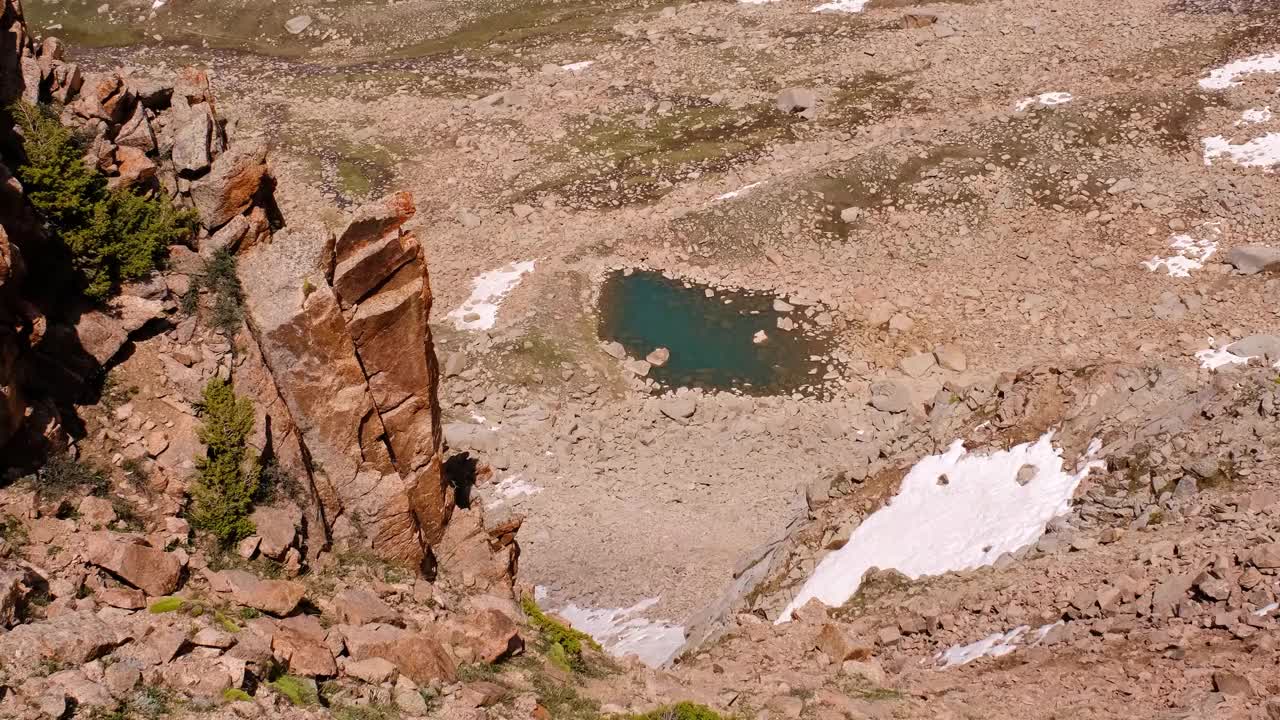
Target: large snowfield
[[954, 511]]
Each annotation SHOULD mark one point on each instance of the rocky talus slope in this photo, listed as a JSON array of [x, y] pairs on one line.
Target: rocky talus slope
[[904, 197]]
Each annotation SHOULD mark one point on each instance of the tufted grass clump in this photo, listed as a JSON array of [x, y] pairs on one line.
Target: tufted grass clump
[[564, 644], [299, 691], [166, 605], [226, 477], [236, 695], [109, 235], [680, 711]]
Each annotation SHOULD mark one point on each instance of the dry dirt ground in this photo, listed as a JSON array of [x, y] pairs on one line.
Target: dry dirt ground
[[1016, 236]]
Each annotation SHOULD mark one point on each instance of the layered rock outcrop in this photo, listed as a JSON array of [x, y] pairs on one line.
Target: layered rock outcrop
[[343, 327], [338, 357]]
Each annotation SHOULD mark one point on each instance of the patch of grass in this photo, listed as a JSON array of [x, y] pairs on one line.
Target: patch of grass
[[219, 278], [877, 693], [648, 155], [299, 691], [13, 531], [224, 622], [166, 605], [680, 711], [109, 236], [62, 474], [113, 393], [136, 470], [564, 644], [236, 695], [226, 479], [479, 671], [127, 517], [563, 701], [366, 712]]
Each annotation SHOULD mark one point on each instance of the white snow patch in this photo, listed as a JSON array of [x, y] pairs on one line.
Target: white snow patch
[[578, 66], [735, 193], [621, 632], [1266, 610], [846, 6], [1226, 76], [1255, 115], [511, 488], [928, 528], [994, 645], [487, 293], [157, 4], [1211, 359], [1263, 151], [1190, 253], [1048, 99]]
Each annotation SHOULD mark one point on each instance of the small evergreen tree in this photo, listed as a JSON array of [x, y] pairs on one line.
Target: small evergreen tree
[[112, 236], [227, 477]]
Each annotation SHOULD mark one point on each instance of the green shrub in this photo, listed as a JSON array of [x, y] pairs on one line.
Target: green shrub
[[218, 277], [226, 478], [63, 473], [112, 236], [564, 644], [297, 690]]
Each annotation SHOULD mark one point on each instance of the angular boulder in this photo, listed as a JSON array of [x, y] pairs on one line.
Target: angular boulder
[[277, 597], [153, 571], [233, 182], [1252, 259], [300, 641], [417, 656], [357, 606]]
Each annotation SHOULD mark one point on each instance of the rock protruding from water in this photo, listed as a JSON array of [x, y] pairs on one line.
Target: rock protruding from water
[[715, 338]]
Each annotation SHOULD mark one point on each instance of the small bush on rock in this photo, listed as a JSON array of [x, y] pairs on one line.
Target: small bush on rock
[[112, 235], [63, 473], [220, 279], [226, 477]]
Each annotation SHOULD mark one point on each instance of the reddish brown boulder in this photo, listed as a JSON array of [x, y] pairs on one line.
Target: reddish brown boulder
[[156, 572], [417, 656], [231, 185], [126, 598], [278, 597], [477, 557], [839, 645], [486, 636], [357, 606], [133, 167], [105, 97], [300, 641]]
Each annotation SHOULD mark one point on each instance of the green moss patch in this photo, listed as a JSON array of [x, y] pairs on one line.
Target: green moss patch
[[299, 691], [166, 605], [236, 695]]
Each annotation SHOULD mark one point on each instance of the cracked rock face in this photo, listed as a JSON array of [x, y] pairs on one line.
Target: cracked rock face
[[343, 329]]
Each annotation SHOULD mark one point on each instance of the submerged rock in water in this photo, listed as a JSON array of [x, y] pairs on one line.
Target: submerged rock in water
[[658, 357]]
